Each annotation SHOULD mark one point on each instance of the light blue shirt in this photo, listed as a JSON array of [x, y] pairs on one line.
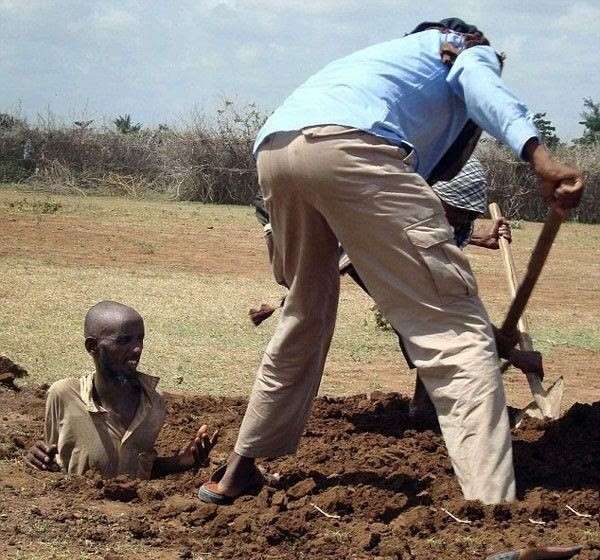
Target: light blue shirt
[[402, 91]]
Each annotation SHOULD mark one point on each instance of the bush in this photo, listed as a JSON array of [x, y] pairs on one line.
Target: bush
[[205, 162], [215, 163], [13, 170], [211, 161]]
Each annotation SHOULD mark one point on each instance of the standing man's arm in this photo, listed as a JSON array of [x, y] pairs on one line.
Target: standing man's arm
[[561, 186], [475, 78]]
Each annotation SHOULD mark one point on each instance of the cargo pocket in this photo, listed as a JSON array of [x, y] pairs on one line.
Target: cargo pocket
[[449, 268]]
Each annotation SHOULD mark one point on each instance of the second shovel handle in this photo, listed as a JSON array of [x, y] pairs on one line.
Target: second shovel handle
[[534, 267], [507, 258], [511, 276]]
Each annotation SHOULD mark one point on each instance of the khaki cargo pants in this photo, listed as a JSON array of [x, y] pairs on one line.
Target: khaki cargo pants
[[329, 183]]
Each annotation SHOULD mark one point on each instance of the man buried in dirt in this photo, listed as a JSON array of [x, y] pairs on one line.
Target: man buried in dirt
[[109, 420]]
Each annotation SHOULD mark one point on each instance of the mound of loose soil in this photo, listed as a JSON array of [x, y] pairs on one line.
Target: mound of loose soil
[[364, 484]]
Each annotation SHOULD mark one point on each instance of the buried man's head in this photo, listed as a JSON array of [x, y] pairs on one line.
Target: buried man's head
[[114, 337]]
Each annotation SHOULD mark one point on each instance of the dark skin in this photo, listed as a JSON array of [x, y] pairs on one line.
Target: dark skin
[[488, 238], [116, 348], [114, 338], [561, 186]]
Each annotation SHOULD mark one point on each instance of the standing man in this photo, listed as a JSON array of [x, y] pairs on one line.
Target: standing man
[[344, 158]]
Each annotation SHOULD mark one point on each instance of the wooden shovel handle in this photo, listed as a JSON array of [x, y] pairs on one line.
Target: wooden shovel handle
[[534, 268], [509, 266]]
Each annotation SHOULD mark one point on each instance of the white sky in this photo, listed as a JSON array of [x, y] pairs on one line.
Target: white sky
[[160, 60]]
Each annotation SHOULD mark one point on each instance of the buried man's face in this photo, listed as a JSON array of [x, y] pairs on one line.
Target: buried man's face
[[120, 349]]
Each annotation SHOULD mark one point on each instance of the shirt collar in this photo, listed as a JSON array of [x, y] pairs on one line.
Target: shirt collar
[[148, 384]]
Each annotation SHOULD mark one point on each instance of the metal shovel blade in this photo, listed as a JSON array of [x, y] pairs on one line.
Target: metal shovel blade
[[548, 406], [546, 403], [535, 553]]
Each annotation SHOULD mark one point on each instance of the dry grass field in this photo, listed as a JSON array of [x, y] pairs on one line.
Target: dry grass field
[[194, 270]]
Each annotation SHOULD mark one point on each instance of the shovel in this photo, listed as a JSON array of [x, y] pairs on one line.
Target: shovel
[[546, 404]]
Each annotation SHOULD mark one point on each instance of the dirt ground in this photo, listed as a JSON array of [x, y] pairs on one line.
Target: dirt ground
[[365, 483]]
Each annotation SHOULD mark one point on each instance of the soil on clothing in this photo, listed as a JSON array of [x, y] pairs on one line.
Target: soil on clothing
[[364, 484]]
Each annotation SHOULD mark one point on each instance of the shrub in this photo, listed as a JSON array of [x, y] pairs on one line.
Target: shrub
[[204, 162], [211, 161]]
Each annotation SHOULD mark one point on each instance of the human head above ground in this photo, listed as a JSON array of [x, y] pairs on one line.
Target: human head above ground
[[114, 337], [472, 36], [464, 197]]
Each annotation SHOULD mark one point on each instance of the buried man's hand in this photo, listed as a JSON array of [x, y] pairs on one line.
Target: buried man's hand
[[42, 456], [197, 451]]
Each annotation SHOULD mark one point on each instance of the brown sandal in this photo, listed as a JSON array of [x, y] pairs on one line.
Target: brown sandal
[[208, 491]]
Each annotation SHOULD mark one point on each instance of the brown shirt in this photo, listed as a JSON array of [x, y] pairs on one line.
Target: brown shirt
[[86, 438]]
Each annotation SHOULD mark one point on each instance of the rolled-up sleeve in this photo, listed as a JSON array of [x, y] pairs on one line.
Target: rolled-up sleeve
[[475, 78], [53, 416]]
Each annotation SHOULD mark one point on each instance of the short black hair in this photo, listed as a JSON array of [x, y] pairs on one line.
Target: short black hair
[[456, 24]]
